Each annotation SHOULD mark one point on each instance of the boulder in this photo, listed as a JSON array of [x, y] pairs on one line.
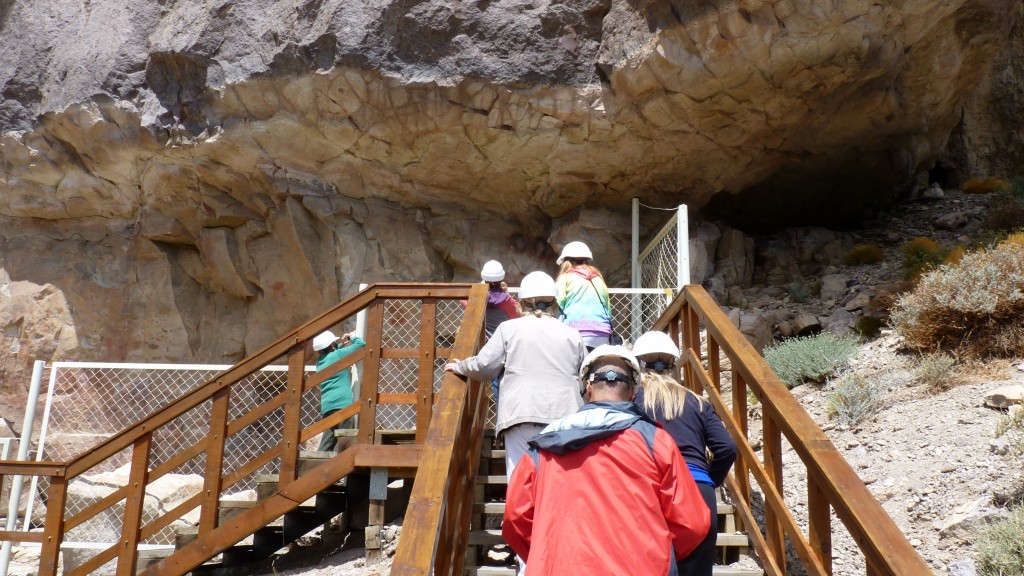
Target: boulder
[[162, 495], [951, 221], [967, 518], [933, 192], [840, 322], [833, 286], [1005, 397]]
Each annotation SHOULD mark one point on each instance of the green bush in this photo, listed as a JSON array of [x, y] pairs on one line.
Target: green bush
[[854, 396], [862, 254], [798, 291], [1001, 547], [936, 371], [973, 308], [920, 255], [810, 358]]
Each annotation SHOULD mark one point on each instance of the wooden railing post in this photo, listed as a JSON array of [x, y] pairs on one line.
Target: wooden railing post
[[740, 468], [683, 323], [819, 522], [55, 501], [425, 374], [371, 372], [714, 363], [291, 429], [772, 450], [132, 520], [212, 480]]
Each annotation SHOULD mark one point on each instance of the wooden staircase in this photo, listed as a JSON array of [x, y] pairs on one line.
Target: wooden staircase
[[458, 484]]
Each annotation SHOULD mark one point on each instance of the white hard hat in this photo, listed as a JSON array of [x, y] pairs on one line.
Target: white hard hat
[[655, 343], [537, 285], [492, 271], [575, 249], [323, 340], [610, 350]]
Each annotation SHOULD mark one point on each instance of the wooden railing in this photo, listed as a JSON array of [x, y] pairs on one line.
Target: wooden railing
[[831, 483], [215, 396], [436, 527]]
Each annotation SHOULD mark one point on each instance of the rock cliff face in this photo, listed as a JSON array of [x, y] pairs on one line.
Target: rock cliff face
[[182, 181]]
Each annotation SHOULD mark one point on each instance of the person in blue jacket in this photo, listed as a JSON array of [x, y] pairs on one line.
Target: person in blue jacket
[[703, 441], [336, 391]]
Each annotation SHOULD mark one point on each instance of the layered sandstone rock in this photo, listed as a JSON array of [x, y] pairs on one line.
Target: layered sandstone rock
[[184, 181]]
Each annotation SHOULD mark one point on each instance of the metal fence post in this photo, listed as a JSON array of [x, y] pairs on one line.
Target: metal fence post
[[634, 256], [17, 481], [357, 368], [683, 244]]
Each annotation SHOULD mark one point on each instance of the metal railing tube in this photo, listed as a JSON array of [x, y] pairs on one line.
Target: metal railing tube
[[19, 480]]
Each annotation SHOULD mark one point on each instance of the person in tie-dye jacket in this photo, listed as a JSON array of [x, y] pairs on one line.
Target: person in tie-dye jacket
[[583, 295]]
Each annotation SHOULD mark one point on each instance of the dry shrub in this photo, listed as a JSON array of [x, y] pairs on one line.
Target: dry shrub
[[937, 372], [1001, 546], [1015, 239], [973, 308], [984, 185], [1004, 214], [852, 397], [920, 255], [954, 255], [1006, 209], [863, 254]]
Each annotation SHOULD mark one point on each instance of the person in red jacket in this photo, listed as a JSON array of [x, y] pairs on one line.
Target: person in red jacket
[[604, 490]]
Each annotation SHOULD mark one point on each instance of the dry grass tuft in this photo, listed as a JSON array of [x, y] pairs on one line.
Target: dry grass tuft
[[921, 255], [984, 185], [863, 254]]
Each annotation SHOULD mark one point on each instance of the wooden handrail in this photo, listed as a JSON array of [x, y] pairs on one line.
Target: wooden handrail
[[832, 483], [138, 439], [437, 520]]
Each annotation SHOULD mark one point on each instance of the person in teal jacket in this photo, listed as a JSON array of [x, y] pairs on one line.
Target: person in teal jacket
[[336, 391]]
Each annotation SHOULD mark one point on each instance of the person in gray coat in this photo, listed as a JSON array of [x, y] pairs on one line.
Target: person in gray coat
[[541, 357]]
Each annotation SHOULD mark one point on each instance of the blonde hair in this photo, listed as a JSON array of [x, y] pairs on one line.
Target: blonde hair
[[527, 306], [568, 265], [663, 391]]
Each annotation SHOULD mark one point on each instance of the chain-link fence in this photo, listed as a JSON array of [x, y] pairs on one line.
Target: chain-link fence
[[89, 402], [664, 263]]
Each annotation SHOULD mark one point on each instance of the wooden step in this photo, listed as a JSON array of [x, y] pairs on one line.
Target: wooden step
[[492, 479], [489, 507], [499, 508], [493, 453], [511, 571], [730, 571], [490, 571], [407, 436], [493, 537]]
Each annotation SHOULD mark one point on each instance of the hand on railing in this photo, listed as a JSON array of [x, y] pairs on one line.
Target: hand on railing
[[450, 367]]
